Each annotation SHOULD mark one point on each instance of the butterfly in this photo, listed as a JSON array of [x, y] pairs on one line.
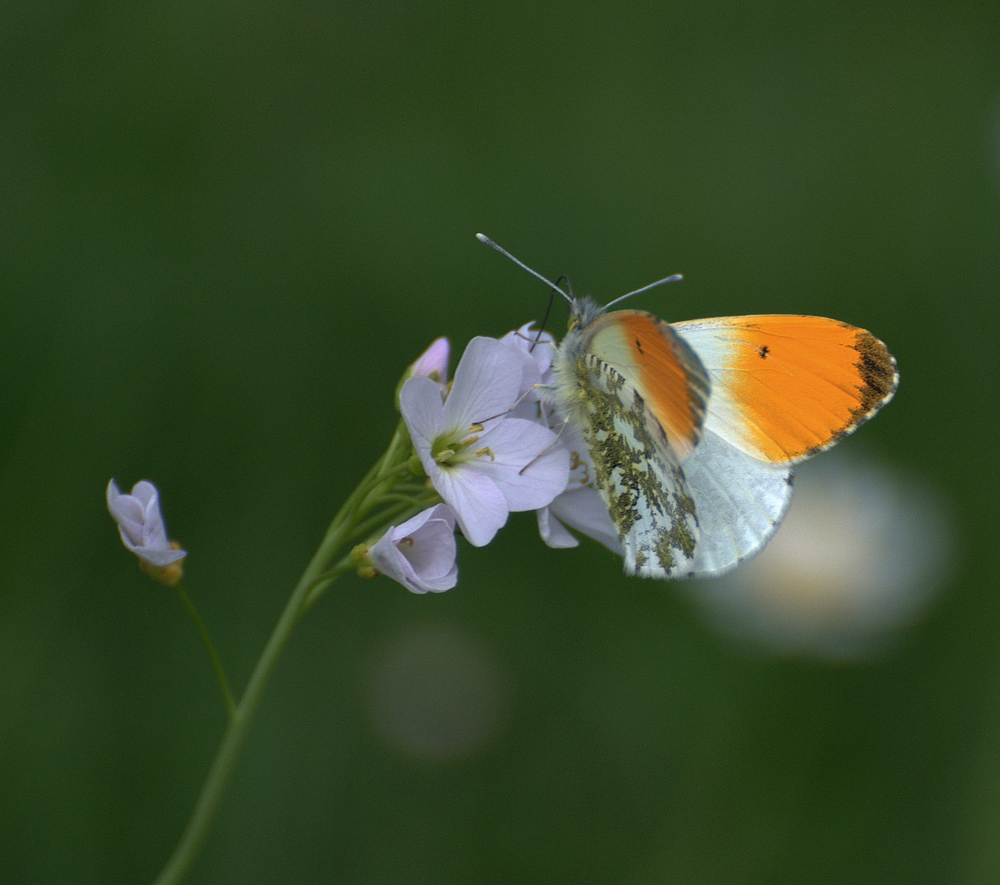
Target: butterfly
[[692, 428]]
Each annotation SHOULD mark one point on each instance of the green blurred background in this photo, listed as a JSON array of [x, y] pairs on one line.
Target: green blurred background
[[228, 227]]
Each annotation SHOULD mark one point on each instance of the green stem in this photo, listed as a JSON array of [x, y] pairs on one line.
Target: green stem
[[326, 579], [220, 673], [401, 510], [232, 742], [315, 579], [387, 479]]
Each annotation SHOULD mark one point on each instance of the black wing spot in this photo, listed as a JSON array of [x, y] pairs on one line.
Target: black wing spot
[[763, 351]]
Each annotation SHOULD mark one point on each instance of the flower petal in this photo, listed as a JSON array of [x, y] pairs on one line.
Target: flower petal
[[420, 553], [487, 383], [581, 508], [422, 410], [529, 465], [553, 532], [479, 506], [540, 347], [433, 362], [140, 524]]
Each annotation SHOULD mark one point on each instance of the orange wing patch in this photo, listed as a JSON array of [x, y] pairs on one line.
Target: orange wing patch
[[667, 374], [786, 387]]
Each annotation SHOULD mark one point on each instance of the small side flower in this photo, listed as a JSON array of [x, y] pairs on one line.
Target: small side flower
[[420, 553], [432, 363], [141, 526]]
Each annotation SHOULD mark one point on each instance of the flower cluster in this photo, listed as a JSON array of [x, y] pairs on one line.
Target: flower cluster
[[489, 446]]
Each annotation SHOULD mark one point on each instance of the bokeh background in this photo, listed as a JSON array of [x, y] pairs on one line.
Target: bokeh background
[[226, 230]]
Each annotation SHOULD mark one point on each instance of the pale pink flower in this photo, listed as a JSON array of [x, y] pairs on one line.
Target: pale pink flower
[[420, 553], [579, 505], [433, 362], [540, 347], [581, 508], [140, 524]]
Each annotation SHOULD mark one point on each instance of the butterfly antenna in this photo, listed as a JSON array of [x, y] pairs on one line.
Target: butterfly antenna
[[485, 239], [671, 279], [548, 310]]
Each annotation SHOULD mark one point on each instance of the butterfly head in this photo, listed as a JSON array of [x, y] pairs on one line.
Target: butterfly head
[[582, 312]]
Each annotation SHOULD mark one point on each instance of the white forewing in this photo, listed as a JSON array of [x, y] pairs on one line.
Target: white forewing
[[641, 481]]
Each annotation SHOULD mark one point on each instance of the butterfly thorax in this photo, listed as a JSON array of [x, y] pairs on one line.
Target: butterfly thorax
[[573, 365]]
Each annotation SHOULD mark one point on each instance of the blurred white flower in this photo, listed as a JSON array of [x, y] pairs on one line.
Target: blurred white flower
[[856, 559]]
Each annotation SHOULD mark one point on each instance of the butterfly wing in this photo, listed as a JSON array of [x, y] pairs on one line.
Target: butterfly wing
[[636, 392], [783, 388], [787, 387], [740, 503]]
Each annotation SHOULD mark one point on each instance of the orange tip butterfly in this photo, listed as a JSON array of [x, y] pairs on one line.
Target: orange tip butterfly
[[692, 428]]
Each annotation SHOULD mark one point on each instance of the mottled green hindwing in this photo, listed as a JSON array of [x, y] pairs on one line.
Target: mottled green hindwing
[[636, 472]]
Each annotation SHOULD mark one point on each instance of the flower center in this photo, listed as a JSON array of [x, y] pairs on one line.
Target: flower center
[[457, 447]]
